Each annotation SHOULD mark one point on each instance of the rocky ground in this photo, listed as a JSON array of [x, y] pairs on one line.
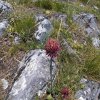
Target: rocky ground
[[8, 64], [24, 66]]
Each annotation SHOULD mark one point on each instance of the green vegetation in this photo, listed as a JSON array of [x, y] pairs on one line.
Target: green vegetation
[[23, 27], [22, 23], [92, 63], [70, 69]]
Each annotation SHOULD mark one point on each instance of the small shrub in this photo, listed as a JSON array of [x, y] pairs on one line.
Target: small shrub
[[23, 24], [92, 67]]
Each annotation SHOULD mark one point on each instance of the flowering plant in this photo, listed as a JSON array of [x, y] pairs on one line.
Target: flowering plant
[[52, 47], [65, 92]]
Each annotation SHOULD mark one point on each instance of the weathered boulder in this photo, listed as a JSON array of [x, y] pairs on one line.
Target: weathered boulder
[[89, 23], [5, 9], [3, 26], [34, 77], [44, 28], [5, 6], [91, 90]]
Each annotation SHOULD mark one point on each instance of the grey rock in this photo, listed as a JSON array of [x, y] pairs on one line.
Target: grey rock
[[39, 17], [5, 7], [5, 10], [17, 40], [80, 94], [90, 91], [96, 42], [3, 26], [89, 23], [44, 28], [83, 80], [34, 77]]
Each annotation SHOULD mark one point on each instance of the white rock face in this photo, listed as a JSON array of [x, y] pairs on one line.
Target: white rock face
[[81, 98], [91, 90], [3, 26], [96, 42], [89, 23], [34, 77], [44, 28], [4, 6]]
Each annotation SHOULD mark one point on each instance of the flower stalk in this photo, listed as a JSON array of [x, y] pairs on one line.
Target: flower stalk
[[52, 47], [51, 69]]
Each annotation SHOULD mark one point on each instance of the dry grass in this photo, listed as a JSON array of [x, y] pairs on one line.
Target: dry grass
[[8, 64]]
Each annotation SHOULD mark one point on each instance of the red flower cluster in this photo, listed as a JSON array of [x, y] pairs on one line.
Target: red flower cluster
[[52, 47], [65, 93]]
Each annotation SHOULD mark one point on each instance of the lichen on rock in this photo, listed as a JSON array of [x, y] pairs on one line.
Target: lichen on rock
[[34, 76]]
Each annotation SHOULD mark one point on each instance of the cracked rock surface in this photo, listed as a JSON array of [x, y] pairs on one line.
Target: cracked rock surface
[[34, 76], [89, 23], [91, 90], [44, 28]]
